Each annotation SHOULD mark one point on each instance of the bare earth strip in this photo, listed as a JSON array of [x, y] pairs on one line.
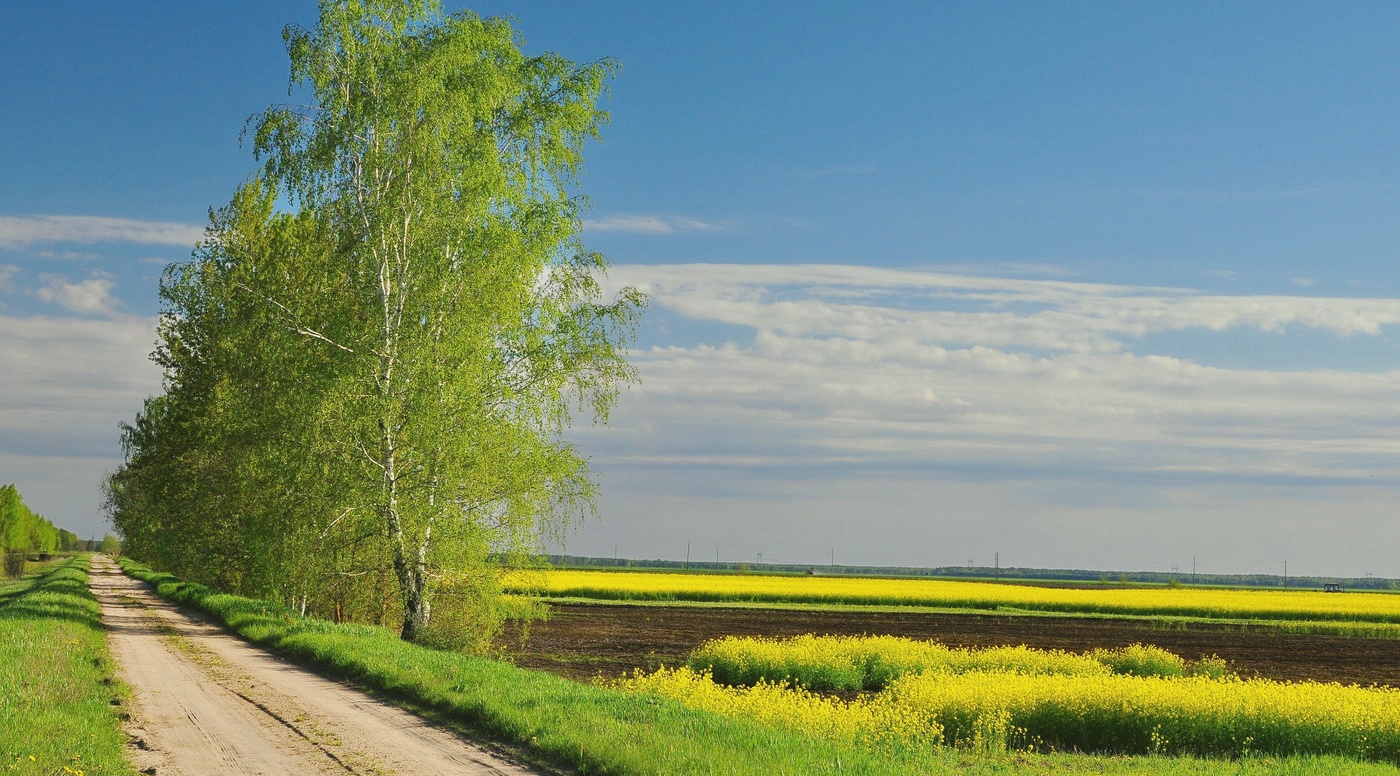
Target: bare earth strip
[[207, 703]]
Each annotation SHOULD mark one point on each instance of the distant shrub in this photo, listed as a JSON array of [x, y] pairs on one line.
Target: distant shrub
[[470, 612], [14, 565], [1141, 660], [1212, 667]]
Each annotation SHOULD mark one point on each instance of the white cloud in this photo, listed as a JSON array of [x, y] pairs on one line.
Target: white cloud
[[21, 231], [91, 296], [73, 370], [843, 300], [1302, 282], [69, 255], [856, 366], [7, 277], [644, 224], [68, 382]]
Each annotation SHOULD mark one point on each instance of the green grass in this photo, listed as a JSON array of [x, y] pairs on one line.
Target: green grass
[[34, 571], [594, 730], [56, 688]]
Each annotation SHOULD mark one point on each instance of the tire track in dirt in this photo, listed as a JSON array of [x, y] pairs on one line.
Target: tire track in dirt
[[207, 704]]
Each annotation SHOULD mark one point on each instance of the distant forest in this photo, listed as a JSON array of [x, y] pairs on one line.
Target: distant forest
[[24, 531], [1012, 574]]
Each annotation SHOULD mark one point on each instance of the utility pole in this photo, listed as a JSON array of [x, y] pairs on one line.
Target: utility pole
[[996, 564], [833, 557], [1193, 569], [687, 554], [1285, 573]]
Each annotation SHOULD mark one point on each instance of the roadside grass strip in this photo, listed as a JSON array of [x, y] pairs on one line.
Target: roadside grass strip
[[57, 711], [604, 730], [836, 663], [1211, 603], [1126, 701]]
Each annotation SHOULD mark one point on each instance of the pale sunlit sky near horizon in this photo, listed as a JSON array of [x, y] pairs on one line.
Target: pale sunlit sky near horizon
[[1088, 285]]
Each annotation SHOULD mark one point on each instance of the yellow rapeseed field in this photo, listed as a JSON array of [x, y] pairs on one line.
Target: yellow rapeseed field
[[1020, 705], [1189, 715], [1190, 602], [873, 720]]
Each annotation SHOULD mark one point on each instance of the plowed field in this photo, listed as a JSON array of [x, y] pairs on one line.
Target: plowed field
[[584, 640]]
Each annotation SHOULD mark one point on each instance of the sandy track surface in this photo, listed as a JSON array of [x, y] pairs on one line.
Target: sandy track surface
[[207, 703]]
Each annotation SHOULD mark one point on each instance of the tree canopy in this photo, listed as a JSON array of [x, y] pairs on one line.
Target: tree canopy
[[371, 359], [21, 530]]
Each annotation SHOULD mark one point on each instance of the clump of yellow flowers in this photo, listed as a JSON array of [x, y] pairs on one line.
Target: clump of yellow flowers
[[827, 663]]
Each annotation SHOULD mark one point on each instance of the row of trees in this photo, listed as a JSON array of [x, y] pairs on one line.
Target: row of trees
[[370, 360], [23, 532]]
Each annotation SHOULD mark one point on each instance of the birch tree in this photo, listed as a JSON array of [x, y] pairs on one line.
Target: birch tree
[[371, 359], [462, 315]]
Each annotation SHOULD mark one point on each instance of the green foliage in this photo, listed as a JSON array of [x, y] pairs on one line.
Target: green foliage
[[111, 545], [365, 395], [23, 532], [470, 612], [56, 687], [69, 541]]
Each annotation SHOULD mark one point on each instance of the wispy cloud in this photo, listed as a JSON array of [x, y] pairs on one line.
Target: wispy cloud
[[999, 268], [22, 231], [67, 382], [90, 296], [856, 366], [7, 277], [69, 255], [644, 224]]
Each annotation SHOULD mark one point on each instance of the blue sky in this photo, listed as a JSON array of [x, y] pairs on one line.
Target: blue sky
[[1099, 285]]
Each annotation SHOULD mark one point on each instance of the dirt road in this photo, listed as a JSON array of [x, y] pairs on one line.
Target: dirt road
[[207, 704]]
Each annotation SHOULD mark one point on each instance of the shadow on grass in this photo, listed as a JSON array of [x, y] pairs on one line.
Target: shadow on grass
[[59, 594]]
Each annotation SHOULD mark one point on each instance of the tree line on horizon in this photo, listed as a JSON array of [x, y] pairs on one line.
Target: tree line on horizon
[[371, 358], [24, 532]]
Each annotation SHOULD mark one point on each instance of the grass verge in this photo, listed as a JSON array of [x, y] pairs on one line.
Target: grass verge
[[596, 730], [57, 714]]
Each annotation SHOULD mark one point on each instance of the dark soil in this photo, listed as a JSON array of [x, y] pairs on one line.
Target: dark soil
[[581, 641]]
